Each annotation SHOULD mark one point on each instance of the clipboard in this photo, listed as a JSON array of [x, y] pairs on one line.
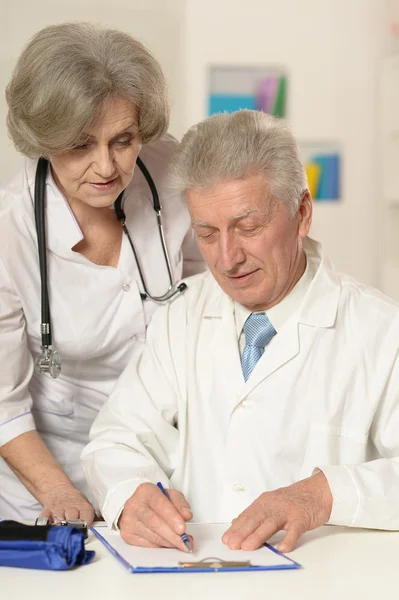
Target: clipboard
[[210, 554]]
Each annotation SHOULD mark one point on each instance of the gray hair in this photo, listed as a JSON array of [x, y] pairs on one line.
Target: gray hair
[[63, 78], [226, 146]]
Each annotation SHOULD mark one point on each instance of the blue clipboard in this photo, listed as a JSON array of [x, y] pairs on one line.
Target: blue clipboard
[[192, 566]]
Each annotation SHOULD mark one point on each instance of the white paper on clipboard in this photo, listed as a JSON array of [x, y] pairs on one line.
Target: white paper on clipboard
[[207, 544]]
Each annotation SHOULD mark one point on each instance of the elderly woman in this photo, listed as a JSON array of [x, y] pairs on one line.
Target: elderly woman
[[85, 104]]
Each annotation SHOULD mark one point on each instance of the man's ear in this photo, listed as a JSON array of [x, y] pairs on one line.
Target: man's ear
[[305, 212]]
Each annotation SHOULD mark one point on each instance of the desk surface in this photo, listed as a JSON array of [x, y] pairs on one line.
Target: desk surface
[[338, 563]]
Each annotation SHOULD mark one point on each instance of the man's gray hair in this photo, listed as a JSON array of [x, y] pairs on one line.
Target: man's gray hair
[[64, 77], [226, 146]]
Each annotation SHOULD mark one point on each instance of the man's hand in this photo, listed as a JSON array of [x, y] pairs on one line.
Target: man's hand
[[295, 509], [150, 519], [66, 502]]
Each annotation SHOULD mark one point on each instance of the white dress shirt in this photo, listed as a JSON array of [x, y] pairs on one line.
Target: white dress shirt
[[97, 313], [324, 395], [279, 314]]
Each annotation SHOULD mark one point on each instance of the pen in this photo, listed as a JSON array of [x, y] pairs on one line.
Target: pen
[[184, 536]]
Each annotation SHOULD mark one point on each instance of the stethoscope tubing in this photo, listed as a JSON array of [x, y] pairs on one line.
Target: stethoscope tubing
[[45, 326], [40, 221]]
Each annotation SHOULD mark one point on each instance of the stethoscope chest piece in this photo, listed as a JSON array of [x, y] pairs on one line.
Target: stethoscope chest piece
[[48, 361]]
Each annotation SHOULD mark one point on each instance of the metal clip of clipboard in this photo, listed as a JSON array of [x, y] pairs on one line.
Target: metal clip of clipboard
[[215, 564]]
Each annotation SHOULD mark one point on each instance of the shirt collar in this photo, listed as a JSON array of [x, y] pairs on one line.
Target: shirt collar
[[279, 314], [63, 229]]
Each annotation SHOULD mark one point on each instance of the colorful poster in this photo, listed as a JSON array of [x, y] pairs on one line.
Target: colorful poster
[[323, 170], [256, 88]]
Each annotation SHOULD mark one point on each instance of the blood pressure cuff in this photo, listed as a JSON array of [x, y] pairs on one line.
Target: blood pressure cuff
[[46, 547]]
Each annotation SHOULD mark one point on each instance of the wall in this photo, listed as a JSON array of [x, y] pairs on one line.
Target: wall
[[388, 156], [331, 49]]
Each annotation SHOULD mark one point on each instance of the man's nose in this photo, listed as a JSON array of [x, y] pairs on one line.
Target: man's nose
[[231, 253]]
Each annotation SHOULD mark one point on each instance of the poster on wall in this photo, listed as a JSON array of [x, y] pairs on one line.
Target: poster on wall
[[257, 88], [323, 165]]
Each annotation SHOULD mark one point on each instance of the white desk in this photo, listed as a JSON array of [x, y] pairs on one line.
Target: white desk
[[338, 564]]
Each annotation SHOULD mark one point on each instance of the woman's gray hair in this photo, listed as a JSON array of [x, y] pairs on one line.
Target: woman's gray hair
[[64, 77], [226, 146]]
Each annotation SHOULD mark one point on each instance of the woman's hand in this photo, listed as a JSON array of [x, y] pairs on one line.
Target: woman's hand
[[66, 502], [31, 461]]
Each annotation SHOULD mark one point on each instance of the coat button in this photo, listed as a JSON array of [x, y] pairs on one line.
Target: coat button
[[238, 487], [126, 287]]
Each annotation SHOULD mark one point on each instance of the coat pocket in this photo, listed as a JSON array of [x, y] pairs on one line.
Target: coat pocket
[[328, 445], [54, 417], [53, 406]]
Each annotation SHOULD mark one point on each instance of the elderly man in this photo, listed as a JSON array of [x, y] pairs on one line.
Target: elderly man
[[267, 394]]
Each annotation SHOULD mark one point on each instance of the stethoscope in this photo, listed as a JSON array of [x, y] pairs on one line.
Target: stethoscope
[[49, 361]]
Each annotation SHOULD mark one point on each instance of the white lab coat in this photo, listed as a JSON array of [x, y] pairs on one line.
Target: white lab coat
[[97, 314], [324, 394]]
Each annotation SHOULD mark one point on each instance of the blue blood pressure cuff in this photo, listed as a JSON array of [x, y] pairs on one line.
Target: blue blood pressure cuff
[[48, 547]]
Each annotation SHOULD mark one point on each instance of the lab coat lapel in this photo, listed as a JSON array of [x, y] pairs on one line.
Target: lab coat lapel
[[282, 348], [318, 309], [228, 377]]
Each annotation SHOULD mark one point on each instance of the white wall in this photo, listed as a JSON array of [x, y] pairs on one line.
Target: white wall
[[156, 23], [330, 48], [388, 155]]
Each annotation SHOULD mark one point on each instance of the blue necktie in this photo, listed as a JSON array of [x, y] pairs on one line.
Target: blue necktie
[[258, 333]]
